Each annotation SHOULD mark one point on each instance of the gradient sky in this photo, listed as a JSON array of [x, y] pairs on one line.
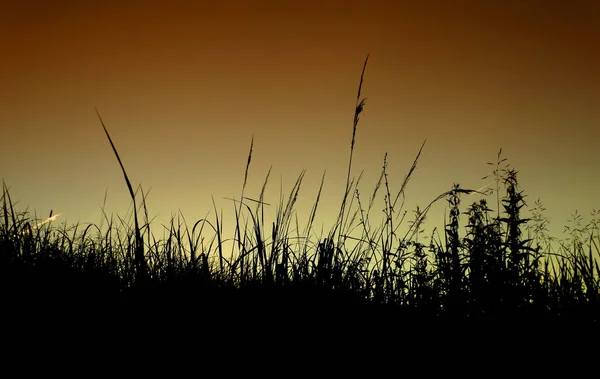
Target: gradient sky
[[183, 86]]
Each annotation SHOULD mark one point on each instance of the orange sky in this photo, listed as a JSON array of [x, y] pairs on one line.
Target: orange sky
[[183, 87]]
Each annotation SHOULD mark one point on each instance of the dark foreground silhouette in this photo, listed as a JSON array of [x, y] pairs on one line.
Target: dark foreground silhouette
[[497, 272]]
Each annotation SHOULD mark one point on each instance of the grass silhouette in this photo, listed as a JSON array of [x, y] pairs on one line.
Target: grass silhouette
[[273, 277]]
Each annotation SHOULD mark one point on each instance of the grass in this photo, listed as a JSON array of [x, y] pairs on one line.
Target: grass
[[357, 273]]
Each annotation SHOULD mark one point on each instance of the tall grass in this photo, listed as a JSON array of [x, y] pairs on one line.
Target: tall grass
[[491, 272]]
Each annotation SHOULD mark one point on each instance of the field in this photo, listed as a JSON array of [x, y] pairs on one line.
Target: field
[[505, 269]]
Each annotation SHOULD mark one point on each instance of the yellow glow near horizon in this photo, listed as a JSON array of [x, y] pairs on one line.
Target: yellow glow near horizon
[[183, 86]]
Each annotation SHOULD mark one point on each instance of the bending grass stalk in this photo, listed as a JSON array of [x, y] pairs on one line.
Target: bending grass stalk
[[360, 104], [139, 243]]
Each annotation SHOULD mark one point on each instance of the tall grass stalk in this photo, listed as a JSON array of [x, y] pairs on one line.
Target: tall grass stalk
[[140, 259]]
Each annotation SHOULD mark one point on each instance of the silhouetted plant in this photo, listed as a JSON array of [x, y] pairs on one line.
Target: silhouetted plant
[[493, 272]]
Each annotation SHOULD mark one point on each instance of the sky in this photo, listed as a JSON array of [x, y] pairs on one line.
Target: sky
[[184, 86]]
